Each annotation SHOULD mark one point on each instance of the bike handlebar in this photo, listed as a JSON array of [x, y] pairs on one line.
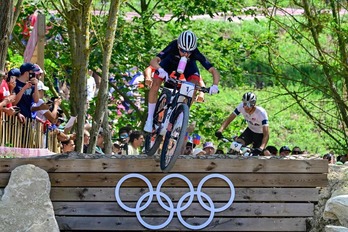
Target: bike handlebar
[[177, 81], [238, 147]]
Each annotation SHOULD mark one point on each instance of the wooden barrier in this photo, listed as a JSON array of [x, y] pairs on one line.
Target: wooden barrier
[[30, 134], [270, 195]]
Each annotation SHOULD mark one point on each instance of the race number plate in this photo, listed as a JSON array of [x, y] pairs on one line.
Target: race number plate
[[236, 146], [187, 89]]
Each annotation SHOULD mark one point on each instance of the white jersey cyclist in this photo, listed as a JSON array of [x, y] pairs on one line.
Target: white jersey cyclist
[[257, 132], [256, 120]]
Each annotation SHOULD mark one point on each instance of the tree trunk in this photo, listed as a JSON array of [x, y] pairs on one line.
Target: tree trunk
[[102, 100], [78, 23], [7, 20]]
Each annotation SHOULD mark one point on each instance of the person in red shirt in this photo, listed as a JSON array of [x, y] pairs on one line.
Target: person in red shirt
[[7, 85], [5, 96]]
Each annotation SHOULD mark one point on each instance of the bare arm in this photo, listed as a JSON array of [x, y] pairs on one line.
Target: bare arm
[[265, 131], [21, 92], [43, 106], [36, 95], [52, 116], [227, 122], [3, 103], [216, 75]]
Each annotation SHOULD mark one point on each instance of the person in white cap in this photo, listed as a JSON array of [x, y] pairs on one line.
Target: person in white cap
[[209, 148], [198, 152], [40, 86], [49, 110]]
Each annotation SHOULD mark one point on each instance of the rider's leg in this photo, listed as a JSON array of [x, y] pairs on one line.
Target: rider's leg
[[246, 137], [195, 79], [239, 140], [153, 93]]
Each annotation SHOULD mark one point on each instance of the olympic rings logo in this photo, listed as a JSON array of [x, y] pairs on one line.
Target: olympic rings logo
[[170, 207]]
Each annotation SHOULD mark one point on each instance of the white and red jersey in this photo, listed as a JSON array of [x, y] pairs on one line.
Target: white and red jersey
[[256, 121], [4, 92]]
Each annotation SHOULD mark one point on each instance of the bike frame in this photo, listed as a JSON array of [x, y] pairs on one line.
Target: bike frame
[[176, 98], [170, 128]]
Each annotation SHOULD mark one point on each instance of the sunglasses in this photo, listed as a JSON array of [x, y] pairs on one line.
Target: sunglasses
[[296, 152], [184, 51], [248, 104]]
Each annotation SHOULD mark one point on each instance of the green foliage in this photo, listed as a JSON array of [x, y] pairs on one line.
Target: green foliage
[[240, 51], [288, 124]]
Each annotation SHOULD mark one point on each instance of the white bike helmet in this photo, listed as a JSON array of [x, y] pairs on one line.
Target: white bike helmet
[[187, 41], [249, 99]]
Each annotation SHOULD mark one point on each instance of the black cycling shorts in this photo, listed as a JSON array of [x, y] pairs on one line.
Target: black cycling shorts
[[251, 137]]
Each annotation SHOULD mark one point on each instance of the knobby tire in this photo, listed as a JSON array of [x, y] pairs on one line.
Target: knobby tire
[[174, 141], [154, 139]]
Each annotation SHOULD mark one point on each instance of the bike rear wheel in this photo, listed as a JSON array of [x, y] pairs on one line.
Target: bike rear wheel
[[174, 140], [154, 139]]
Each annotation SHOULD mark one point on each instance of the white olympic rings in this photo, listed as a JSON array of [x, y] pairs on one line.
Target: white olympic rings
[[170, 207]]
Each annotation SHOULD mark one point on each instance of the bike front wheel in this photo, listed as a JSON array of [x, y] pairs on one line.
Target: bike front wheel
[[174, 141], [154, 139]]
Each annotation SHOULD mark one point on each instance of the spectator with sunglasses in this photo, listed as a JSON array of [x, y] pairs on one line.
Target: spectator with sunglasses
[[257, 132], [166, 62]]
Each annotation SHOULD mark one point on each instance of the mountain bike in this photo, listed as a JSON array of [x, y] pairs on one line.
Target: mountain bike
[[237, 148], [170, 120]]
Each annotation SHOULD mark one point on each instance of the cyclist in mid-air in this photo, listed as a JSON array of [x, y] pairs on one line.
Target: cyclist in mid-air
[[167, 62], [257, 132]]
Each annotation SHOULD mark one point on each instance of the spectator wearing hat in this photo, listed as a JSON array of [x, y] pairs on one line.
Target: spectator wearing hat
[[49, 110], [41, 87], [11, 78], [209, 148], [198, 152], [273, 151], [284, 151], [123, 138], [116, 148], [26, 89], [6, 98], [189, 147], [330, 158], [8, 82]]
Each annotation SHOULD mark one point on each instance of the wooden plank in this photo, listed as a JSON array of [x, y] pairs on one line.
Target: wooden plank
[[245, 180], [155, 210], [218, 224], [242, 194], [144, 165], [239, 180]]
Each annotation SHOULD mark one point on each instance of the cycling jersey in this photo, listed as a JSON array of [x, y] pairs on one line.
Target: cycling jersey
[[256, 121], [170, 58]]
